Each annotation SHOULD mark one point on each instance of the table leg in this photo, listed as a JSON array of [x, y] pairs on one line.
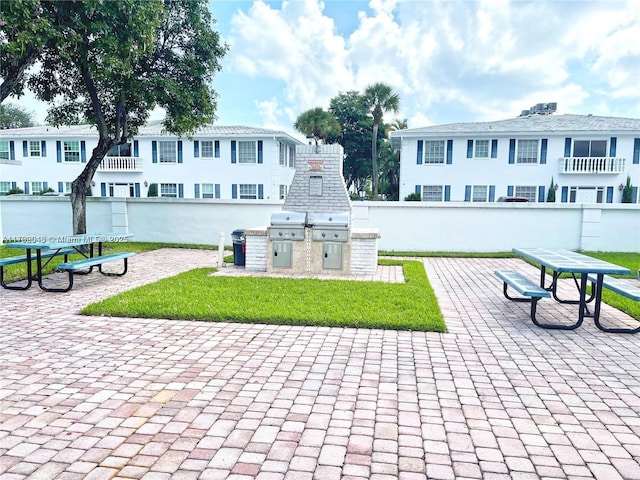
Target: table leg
[[39, 268], [596, 313], [29, 275]]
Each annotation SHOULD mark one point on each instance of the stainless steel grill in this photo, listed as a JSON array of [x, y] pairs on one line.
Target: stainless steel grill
[[332, 227], [287, 225]]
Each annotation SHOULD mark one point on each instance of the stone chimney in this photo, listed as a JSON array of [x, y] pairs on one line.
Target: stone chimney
[[318, 185]]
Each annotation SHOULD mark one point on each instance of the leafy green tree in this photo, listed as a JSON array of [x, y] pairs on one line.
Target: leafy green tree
[[380, 98], [117, 61], [319, 124], [12, 116], [389, 184], [26, 30], [352, 113]]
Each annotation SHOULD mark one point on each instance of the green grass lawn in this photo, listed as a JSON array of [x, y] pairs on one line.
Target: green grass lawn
[[195, 295], [632, 262], [410, 306]]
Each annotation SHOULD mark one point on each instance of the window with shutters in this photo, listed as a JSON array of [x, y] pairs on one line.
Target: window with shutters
[[481, 149], [247, 152], [36, 188], [208, 190], [35, 148], [432, 193], [434, 151], [479, 193], [167, 153], [169, 190], [71, 151], [206, 149], [527, 151], [526, 191], [248, 191]]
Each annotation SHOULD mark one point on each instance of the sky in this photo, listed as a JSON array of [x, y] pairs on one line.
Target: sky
[[449, 61]]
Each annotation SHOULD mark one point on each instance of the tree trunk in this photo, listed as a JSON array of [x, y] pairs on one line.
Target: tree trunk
[[80, 185], [374, 161], [78, 205]]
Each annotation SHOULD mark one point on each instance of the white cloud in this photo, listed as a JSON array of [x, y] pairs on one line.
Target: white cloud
[[481, 59]]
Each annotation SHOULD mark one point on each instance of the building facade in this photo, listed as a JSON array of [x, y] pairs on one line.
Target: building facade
[[586, 158], [219, 162]]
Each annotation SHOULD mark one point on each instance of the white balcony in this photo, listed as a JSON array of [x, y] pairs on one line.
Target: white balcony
[[591, 165], [4, 161], [121, 164]]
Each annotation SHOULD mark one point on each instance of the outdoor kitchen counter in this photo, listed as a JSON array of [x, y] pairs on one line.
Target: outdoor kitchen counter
[[365, 233]]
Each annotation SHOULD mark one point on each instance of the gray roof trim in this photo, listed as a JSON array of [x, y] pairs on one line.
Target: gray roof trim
[[530, 125], [151, 129]]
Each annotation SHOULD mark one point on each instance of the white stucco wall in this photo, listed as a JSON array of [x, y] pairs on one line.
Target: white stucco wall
[[412, 226]]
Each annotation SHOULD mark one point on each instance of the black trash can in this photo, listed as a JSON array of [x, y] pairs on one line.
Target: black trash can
[[239, 247]]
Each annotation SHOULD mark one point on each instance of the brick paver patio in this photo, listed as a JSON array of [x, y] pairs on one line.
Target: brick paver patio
[[495, 397]]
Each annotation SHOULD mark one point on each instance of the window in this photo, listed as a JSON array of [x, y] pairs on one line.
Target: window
[[283, 192], [208, 190], [67, 187], [122, 190], [590, 148], [283, 155], [4, 150], [434, 151], [248, 191], [432, 193], [168, 189], [292, 157], [167, 153], [247, 152], [479, 193], [481, 149], [527, 151], [35, 148], [5, 187], [586, 195], [36, 188], [206, 149], [123, 150], [71, 151], [527, 192]]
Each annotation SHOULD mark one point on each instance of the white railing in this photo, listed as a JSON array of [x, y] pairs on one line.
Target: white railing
[[121, 164], [588, 165]]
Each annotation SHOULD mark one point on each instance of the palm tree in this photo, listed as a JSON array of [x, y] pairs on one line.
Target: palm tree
[[381, 99], [318, 124], [396, 125]]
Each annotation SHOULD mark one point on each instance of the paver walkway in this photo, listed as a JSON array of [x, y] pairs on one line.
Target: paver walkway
[[495, 397]]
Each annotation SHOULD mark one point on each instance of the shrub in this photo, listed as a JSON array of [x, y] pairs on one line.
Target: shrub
[[153, 190], [413, 197]]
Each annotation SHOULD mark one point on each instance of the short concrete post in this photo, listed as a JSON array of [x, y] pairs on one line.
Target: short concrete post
[[221, 249]]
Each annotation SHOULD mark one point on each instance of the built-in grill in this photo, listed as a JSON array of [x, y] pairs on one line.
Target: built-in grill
[[330, 227], [287, 225]]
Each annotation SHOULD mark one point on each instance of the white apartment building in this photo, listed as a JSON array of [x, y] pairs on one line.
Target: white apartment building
[[588, 157], [223, 162]]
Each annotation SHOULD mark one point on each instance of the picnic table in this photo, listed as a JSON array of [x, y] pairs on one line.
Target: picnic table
[[50, 247], [583, 269]]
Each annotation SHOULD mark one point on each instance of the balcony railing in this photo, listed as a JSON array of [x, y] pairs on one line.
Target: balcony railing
[[589, 165], [121, 164]]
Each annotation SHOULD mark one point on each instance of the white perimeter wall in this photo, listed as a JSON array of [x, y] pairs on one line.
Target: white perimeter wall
[[413, 226]]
